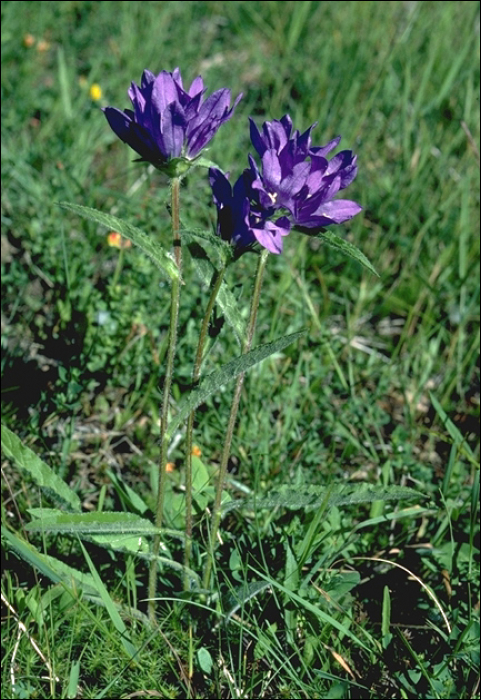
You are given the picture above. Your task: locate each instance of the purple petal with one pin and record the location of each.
(147, 78)
(176, 77)
(335, 212)
(324, 150)
(213, 113)
(164, 92)
(172, 130)
(271, 169)
(131, 133)
(216, 105)
(271, 235)
(256, 138)
(197, 87)
(340, 210)
(221, 187)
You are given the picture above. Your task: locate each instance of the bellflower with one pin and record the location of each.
(299, 177)
(168, 125)
(241, 220)
(295, 179)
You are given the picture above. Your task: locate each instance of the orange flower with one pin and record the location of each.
(169, 467)
(43, 45)
(28, 40)
(115, 240)
(196, 451)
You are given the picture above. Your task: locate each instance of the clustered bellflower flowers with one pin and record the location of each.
(170, 126)
(295, 180)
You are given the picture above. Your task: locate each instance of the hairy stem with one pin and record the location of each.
(216, 513)
(174, 315)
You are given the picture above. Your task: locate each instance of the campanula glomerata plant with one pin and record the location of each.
(293, 187)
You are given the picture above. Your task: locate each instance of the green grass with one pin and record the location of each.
(308, 599)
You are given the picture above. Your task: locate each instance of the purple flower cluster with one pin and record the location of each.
(295, 180)
(295, 185)
(167, 121)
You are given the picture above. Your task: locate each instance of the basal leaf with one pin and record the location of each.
(162, 259)
(326, 496)
(41, 473)
(94, 523)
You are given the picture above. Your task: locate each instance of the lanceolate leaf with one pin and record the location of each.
(325, 496)
(122, 531)
(334, 241)
(93, 523)
(156, 253)
(40, 472)
(209, 384)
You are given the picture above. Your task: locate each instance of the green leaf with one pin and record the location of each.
(205, 660)
(211, 382)
(73, 681)
(334, 241)
(127, 494)
(313, 497)
(200, 475)
(95, 523)
(161, 258)
(41, 473)
(386, 618)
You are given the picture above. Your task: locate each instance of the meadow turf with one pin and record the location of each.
(326, 585)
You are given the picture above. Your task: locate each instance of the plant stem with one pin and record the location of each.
(215, 286)
(174, 315)
(216, 513)
(118, 268)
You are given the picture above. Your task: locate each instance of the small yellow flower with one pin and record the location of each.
(196, 451)
(95, 92)
(28, 40)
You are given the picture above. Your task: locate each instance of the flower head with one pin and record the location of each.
(300, 178)
(168, 122)
(295, 179)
